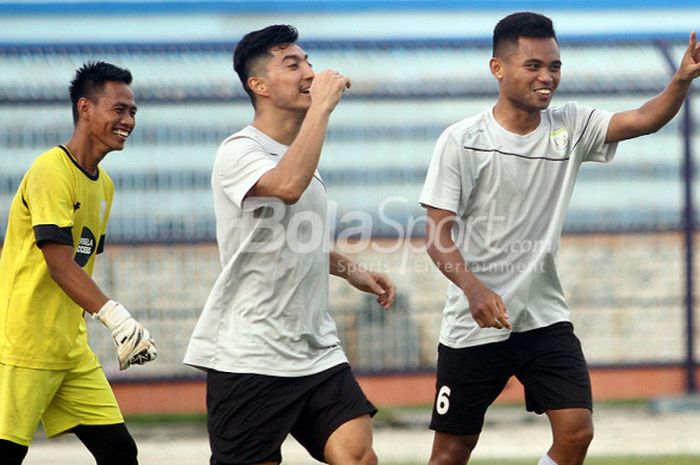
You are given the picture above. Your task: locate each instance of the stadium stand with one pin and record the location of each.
(623, 223)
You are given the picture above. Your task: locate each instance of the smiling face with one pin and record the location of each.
(283, 79)
(528, 74)
(110, 116)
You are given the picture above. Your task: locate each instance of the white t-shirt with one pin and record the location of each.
(510, 194)
(267, 312)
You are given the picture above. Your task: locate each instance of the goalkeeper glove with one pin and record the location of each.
(133, 341)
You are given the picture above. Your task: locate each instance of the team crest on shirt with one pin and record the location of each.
(471, 135)
(560, 139)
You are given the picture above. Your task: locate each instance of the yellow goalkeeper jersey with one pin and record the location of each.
(57, 201)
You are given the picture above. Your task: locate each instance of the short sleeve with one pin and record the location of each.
(240, 163)
(109, 196)
(591, 138)
(444, 181)
(49, 197)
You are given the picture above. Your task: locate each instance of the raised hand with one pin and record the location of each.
(689, 68)
(327, 88)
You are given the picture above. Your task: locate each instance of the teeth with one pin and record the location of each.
(121, 133)
(543, 91)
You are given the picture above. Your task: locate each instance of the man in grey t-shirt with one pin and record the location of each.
(496, 196)
(271, 350)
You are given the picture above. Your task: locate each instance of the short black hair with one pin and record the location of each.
(90, 79)
(522, 24)
(257, 44)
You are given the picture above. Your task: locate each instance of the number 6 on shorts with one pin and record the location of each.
(442, 403)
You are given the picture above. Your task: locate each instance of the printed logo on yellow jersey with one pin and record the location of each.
(86, 246)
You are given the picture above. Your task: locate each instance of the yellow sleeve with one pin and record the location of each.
(50, 198)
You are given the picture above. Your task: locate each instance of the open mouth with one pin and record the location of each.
(544, 91)
(121, 133)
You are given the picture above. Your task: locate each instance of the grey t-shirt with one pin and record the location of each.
(267, 312)
(510, 194)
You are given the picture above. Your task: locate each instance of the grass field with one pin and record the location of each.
(648, 452)
(660, 460)
(665, 460)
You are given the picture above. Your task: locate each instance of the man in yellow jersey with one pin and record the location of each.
(56, 226)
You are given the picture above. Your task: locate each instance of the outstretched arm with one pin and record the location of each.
(486, 306)
(659, 110)
(361, 278)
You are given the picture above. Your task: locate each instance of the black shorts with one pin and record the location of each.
(249, 416)
(548, 362)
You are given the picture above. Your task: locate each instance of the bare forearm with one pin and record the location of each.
(363, 279)
(661, 109)
(71, 278)
(297, 167)
(80, 287)
(340, 265)
(293, 174)
(452, 265)
(486, 307)
(651, 116)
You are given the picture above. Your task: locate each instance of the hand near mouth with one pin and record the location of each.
(327, 88)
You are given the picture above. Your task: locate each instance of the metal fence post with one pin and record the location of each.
(688, 172)
(689, 215)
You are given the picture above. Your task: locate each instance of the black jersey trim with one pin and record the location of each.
(52, 233)
(501, 152)
(322, 183)
(75, 162)
(585, 127)
(101, 245)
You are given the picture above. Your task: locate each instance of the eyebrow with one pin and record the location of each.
(295, 57)
(536, 60)
(124, 104)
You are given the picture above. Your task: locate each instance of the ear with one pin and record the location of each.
(257, 85)
(496, 67)
(84, 105)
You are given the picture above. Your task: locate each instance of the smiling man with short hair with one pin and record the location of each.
(57, 225)
(505, 177)
(270, 348)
